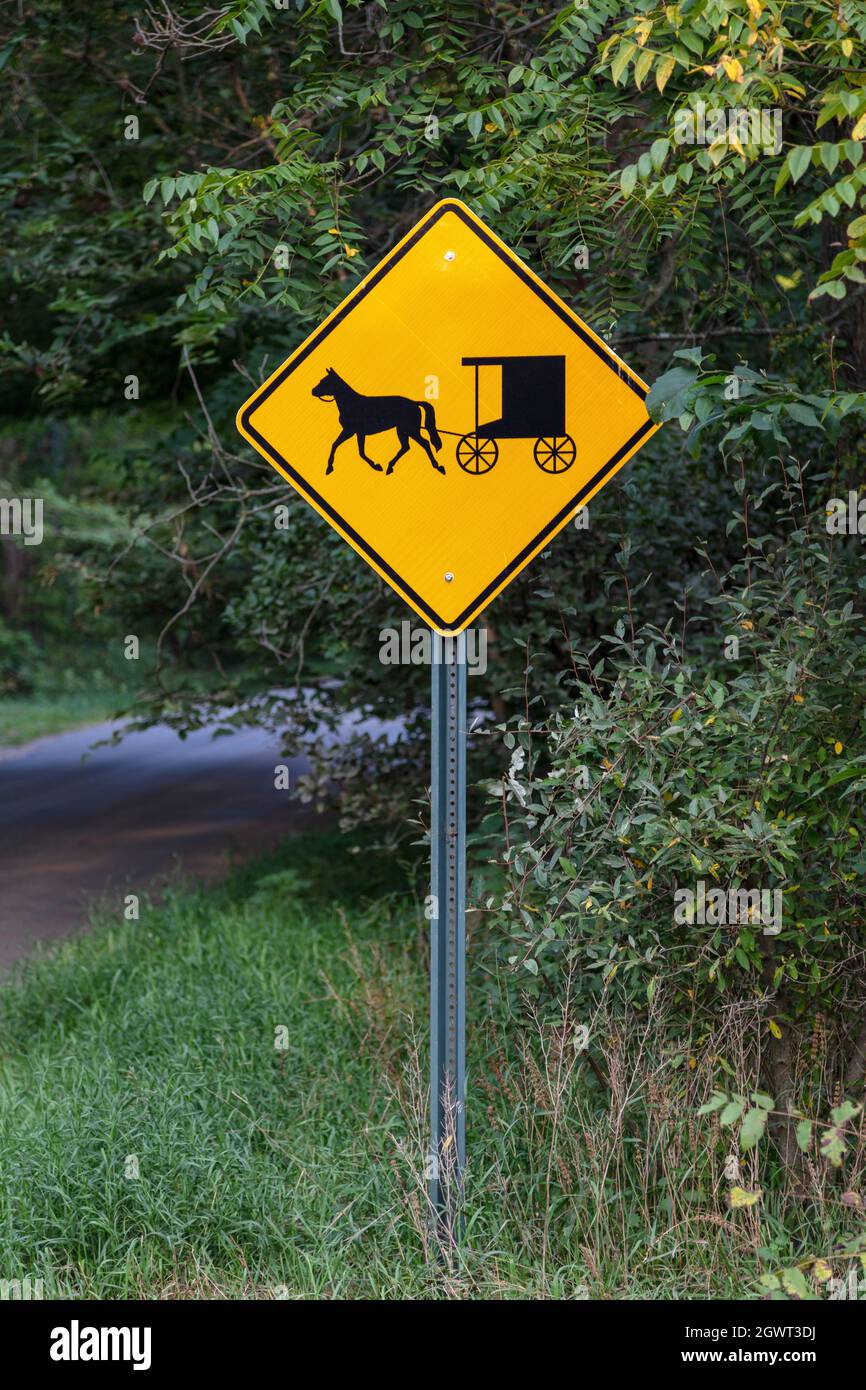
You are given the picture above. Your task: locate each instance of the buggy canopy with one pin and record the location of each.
(533, 397)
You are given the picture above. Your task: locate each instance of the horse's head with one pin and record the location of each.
(325, 389)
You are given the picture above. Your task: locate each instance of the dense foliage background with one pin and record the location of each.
(153, 160)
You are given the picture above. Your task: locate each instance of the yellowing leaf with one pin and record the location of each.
(822, 1271)
(860, 128)
(794, 1283)
(837, 747)
(756, 8)
(642, 67)
(774, 1028)
(620, 62)
(739, 1197)
(677, 714)
(663, 72)
(847, 47)
(733, 69)
(798, 699)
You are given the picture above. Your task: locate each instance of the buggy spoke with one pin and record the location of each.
(555, 454)
(477, 454)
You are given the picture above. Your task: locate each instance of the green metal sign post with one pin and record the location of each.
(448, 932)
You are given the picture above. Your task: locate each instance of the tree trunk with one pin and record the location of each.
(856, 1072)
(779, 1064)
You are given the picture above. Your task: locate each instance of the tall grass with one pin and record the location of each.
(154, 1142)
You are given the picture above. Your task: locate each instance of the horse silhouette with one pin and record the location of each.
(363, 415)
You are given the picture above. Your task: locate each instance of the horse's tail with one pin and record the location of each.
(430, 423)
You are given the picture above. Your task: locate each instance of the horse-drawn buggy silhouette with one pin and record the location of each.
(533, 406)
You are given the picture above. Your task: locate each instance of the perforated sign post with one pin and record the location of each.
(448, 419)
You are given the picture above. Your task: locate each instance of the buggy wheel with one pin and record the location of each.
(555, 454)
(476, 454)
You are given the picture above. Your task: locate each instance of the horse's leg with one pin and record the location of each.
(426, 447)
(362, 440)
(341, 439)
(404, 445)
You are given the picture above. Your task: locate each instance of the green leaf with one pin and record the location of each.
(803, 414)
(829, 156)
(475, 121)
(833, 1146)
(753, 1127)
(659, 152)
(732, 1111)
(799, 159)
(716, 1101)
(667, 390)
(845, 1112)
(628, 179)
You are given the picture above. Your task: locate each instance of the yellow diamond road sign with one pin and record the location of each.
(449, 417)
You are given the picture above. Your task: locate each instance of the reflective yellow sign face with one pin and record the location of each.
(449, 417)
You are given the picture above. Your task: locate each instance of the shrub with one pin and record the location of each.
(728, 753)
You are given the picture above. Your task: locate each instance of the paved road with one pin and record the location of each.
(122, 818)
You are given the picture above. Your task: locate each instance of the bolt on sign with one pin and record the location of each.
(449, 417)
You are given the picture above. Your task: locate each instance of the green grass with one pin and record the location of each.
(29, 717)
(155, 1040)
(155, 1143)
